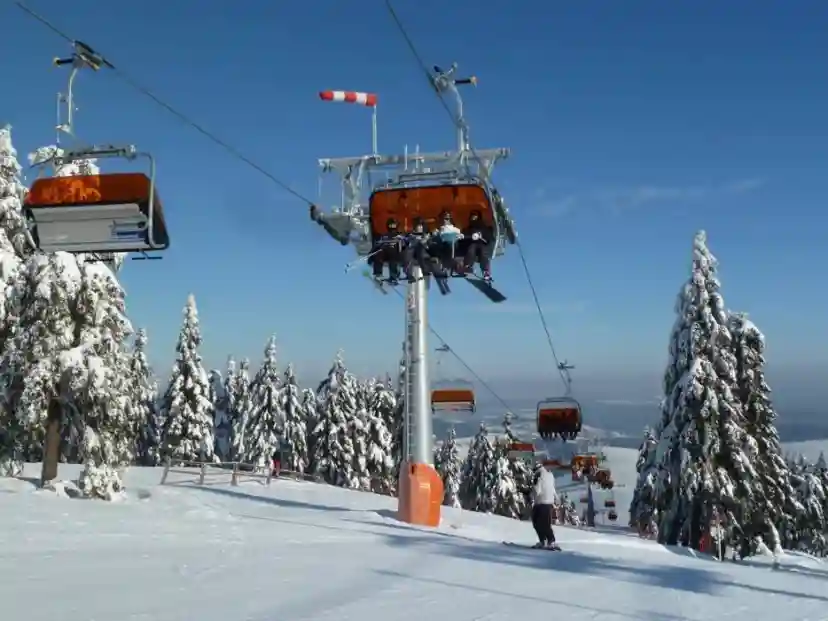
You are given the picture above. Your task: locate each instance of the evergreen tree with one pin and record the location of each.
(13, 247)
(449, 465)
(241, 407)
(144, 401)
(705, 455)
(331, 437)
(514, 477)
(774, 504)
(294, 403)
(267, 416)
(186, 409)
(643, 514)
(381, 407)
(221, 421)
(478, 491)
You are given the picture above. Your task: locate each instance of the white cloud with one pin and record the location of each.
(622, 199)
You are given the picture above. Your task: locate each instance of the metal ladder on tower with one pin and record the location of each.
(408, 420)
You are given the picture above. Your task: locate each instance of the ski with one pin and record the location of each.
(486, 289)
(378, 284)
(526, 546)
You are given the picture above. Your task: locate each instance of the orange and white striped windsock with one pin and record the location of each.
(353, 97)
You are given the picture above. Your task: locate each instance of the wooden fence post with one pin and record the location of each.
(167, 464)
(203, 473)
(234, 480)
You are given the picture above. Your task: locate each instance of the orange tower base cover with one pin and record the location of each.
(420, 495)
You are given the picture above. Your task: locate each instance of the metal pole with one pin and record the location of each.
(375, 150)
(418, 350)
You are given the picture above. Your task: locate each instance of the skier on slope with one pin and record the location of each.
(544, 497)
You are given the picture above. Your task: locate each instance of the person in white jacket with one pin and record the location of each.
(544, 496)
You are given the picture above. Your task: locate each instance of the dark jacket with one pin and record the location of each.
(486, 232)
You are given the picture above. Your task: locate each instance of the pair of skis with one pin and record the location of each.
(553, 548)
(478, 283)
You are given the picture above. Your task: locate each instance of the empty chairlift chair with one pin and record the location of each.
(559, 417)
(453, 398)
(118, 212)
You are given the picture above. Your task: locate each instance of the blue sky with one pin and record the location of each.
(631, 125)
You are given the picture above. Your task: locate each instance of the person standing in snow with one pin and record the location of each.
(544, 497)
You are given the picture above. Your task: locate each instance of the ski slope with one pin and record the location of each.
(298, 550)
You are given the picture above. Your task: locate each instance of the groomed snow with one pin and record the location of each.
(307, 551)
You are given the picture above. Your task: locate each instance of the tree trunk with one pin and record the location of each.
(51, 445)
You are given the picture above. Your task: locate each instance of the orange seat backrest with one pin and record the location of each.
(405, 204)
(452, 395)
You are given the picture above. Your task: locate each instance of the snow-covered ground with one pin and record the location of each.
(296, 551)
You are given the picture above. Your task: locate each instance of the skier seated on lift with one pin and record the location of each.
(544, 497)
(416, 249)
(478, 238)
(386, 250)
(445, 239)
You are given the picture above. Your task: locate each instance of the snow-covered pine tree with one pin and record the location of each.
(704, 454)
(809, 531)
(13, 248)
(478, 489)
(267, 418)
(514, 477)
(241, 409)
(185, 408)
(643, 516)
(103, 390)
(310, 406)
(294, 403)
(381, 407)
(221, 419)
(774, 504)
(450, 466)
(334, 454)
(144, 404)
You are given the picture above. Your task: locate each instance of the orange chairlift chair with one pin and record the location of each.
(559, 417)
(93, 213)
(450, 395)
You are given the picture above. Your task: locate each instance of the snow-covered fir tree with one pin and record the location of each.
(15, 243)
(13, 248)
(221, 419)
(380, 405)
(642, 506)
(144, 402)
(704, 455)
(331, 438)
(310, 407)
(481, 470)
(774, 505)
(267, 418)
(241, 407)
(809, 530)
(450, 466)
(293, 403)
(185, 408)
(513, 476)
